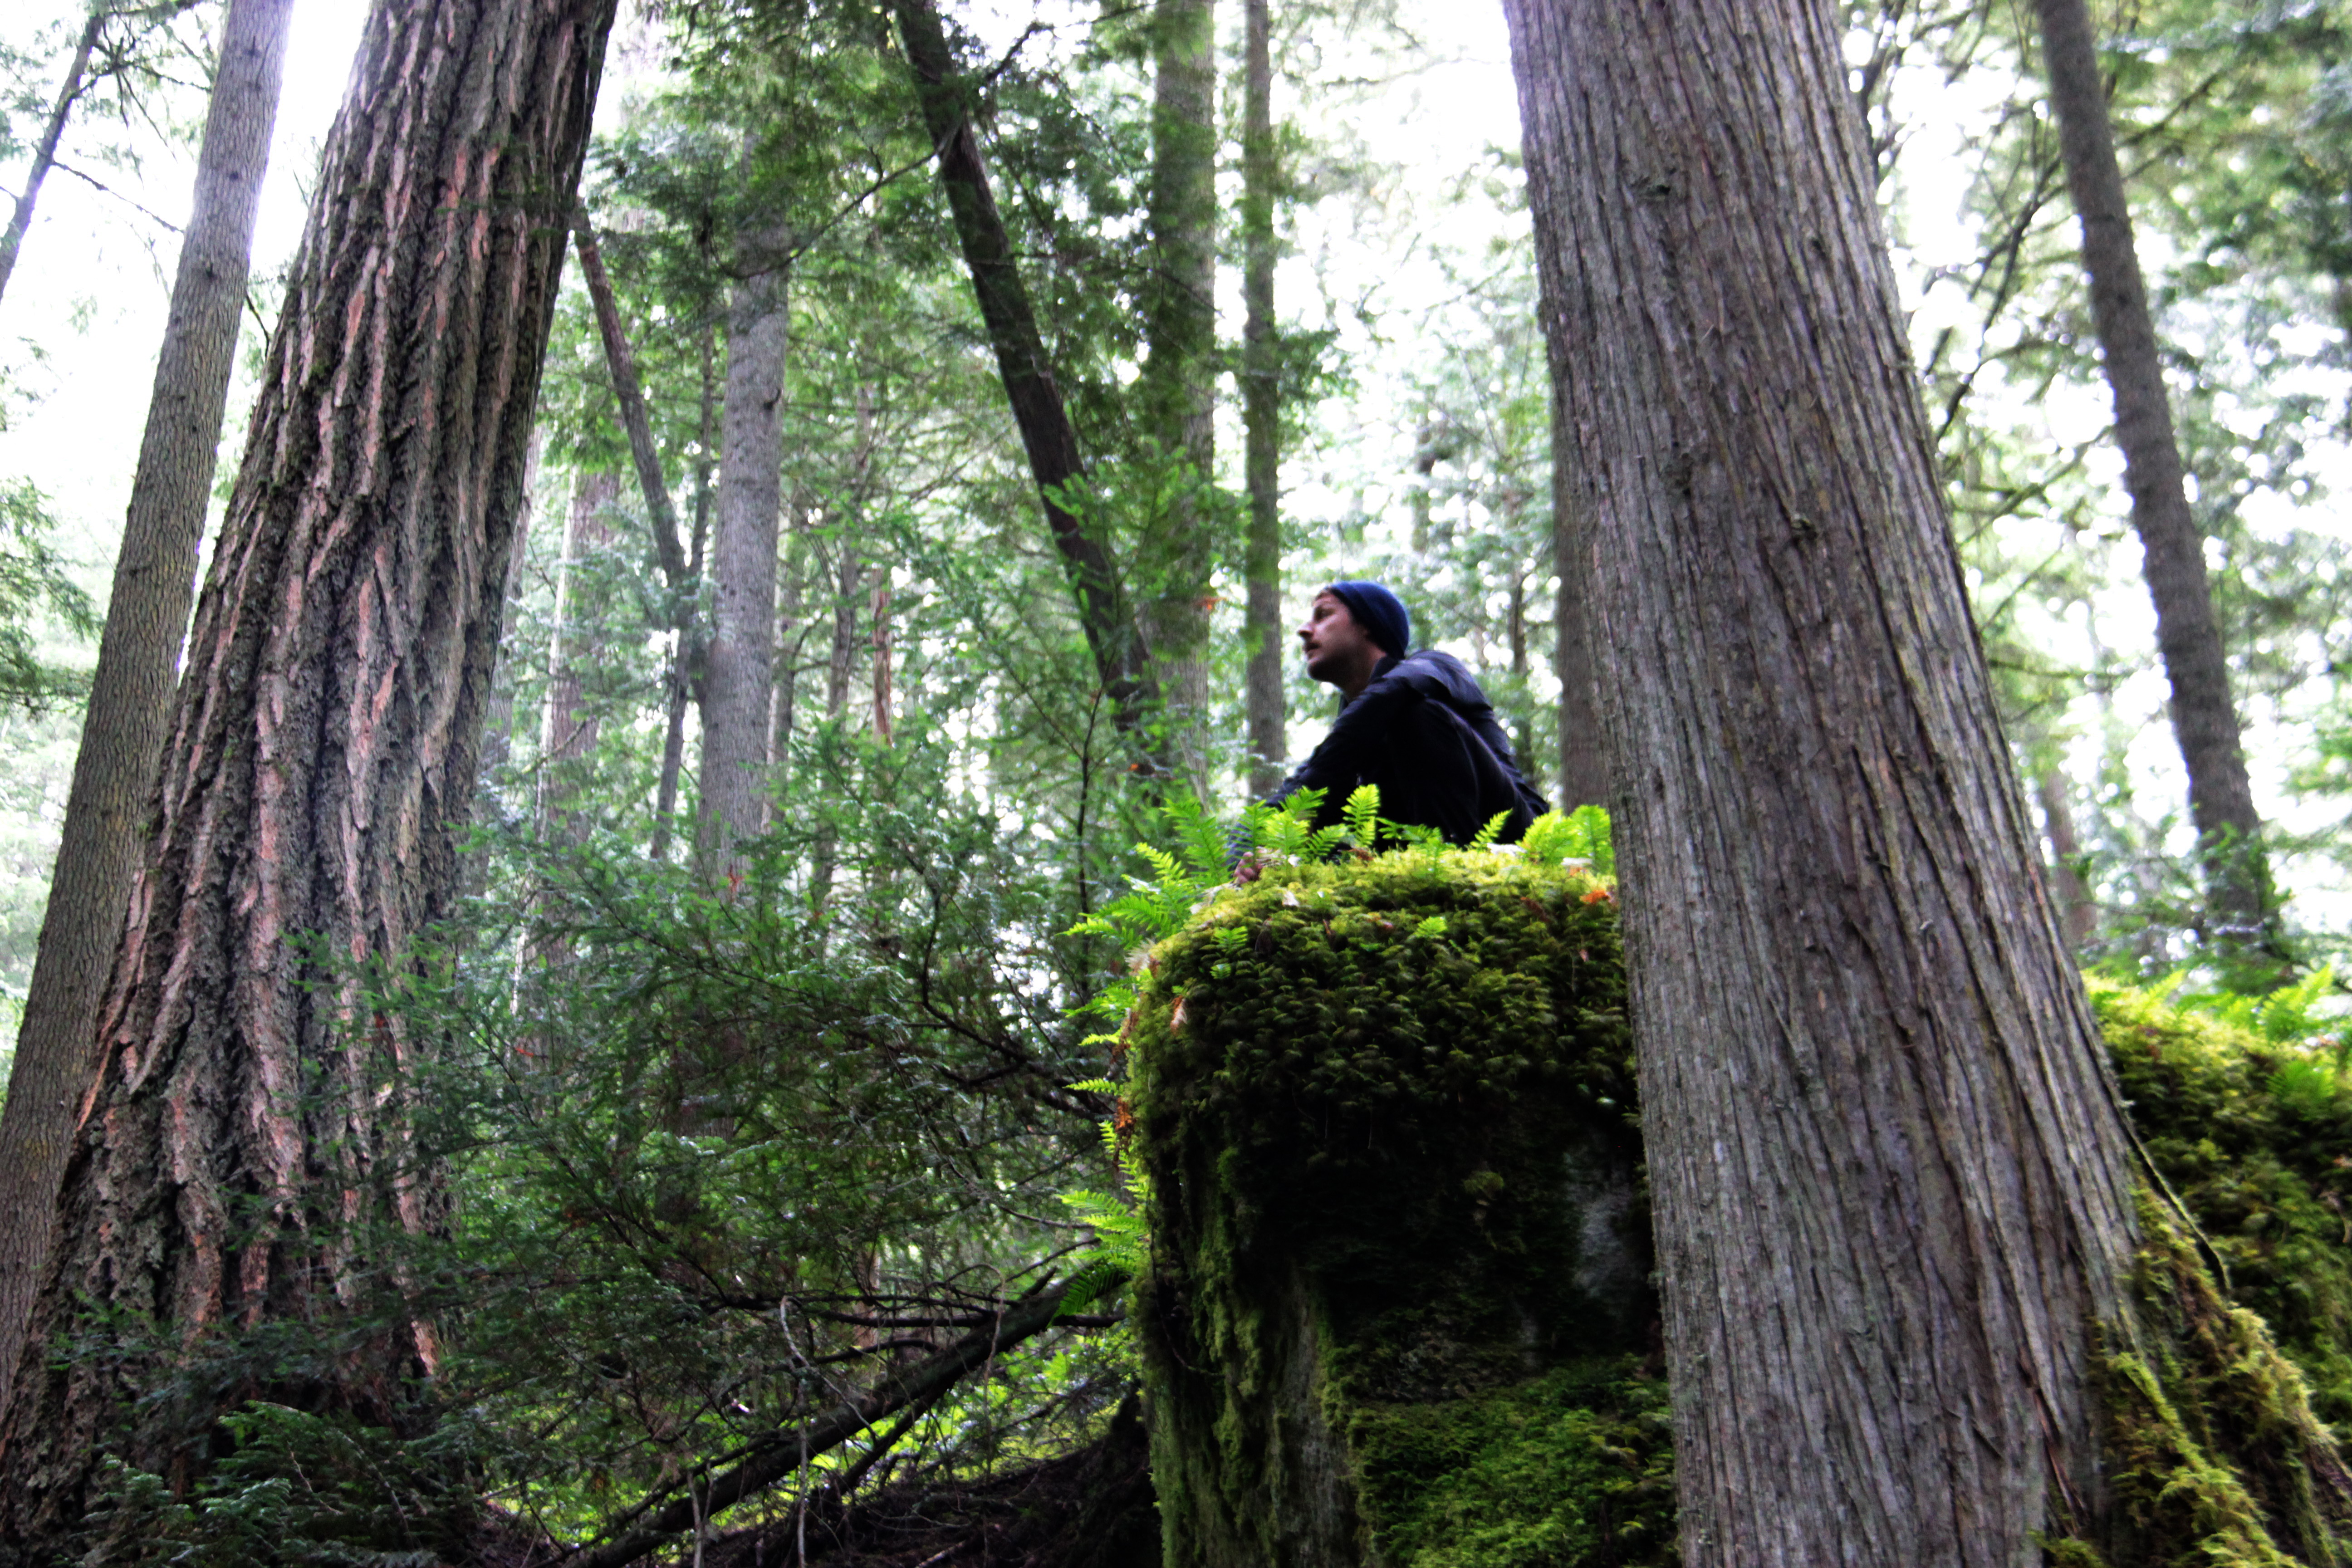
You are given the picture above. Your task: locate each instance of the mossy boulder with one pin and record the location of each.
(1399, 1309)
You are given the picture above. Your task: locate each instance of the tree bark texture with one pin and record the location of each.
(568, 735)
(2240, 906)
(45, 153)
(1177, 391)
(246, 1132)
(1583, 776)
(1889, 1171)
(1261, 411)
(739, 674)
(146, 618)
(1122, 661)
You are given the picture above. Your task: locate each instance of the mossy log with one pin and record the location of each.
(1399, 1309)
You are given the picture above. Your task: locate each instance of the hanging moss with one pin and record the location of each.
(1400, 1292)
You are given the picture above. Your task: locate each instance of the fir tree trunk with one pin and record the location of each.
(45, 152)
(1891, 1198)
(739, 658)
(1121, 662)
(1177, 391)
(246, 1148)
(146, 618)
(2240, 906)
(568, 735)
(1261, 410)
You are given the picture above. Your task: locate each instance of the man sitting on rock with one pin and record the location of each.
(1416, 724)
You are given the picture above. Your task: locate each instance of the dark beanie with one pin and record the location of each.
(1380, 613)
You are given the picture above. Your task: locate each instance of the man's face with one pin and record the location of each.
(1336, 646)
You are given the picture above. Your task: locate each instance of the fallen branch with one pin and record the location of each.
(778, 1455)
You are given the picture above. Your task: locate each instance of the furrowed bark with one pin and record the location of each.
(1261, 412)
(245, 1153)
(146, 618)
(2242, 907)
(1583, 774)
(1889, 1174)
(45, 153)
(1176, 393)
(1121, 662)
(739, 669)
(780, 1456)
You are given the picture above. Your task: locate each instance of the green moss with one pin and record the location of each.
(1576, 1465)
(1387, 1110)
(2261, 1154)
(1396, 1311)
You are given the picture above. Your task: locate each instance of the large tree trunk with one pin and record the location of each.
(1261, 411)
(146, 618)
(1177, 391)
(739, 659)
(568, 735)
(247, 1127)
(1892, 1203)
(1121, 662)
(2240, 906)
(1583, 776)
(45, 152)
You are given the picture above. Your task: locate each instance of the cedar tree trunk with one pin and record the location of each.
(1889, 1169)
(739, 659)
(146, 618)
(1121, 663)
(246, 1131)
(1261, 411)
(2239, 904)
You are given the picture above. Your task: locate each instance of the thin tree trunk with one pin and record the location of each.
(880, 621)
(45, 153)
(848, 573)
(629, 397)
(1892, 1205)
(1522, 731)
(248, 1134)
(1261, 412)
(2078, 912)
(146, 618)
(568, 735)
(2240, 906)
(739, 658)
(1121, 662)
(1177, 391)
(686, 656)
(792, 633)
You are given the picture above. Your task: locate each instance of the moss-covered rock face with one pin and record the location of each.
(1398, 1310)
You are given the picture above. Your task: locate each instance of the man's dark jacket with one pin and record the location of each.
(1426, 733)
